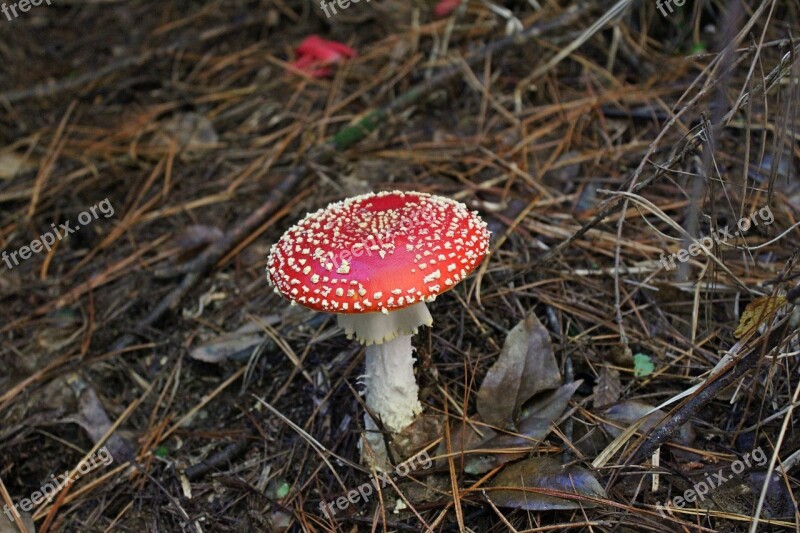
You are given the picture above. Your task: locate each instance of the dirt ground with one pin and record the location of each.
(152, 153)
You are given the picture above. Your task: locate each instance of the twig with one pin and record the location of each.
(227, 454)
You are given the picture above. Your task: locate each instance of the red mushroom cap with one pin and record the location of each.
(378, 252)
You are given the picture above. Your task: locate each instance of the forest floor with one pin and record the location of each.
(151, 153)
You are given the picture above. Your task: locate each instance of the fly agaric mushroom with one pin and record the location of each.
(374, 260)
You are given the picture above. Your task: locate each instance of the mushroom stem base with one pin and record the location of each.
(392, 392)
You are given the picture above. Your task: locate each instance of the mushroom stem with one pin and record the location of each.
(392, 395)
(392, 391)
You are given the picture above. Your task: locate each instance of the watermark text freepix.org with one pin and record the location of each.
(364, 492)
(48, 239)
(700, 489)
(343, 4)
(722, 235)
(23, 5)
(660, 6)
(48, 491)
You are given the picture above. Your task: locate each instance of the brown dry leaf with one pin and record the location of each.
(758, 312)
(12, 164)
(424, 429)
(92, 417)
(544, 473)
(464, 438)
(189, 132)
(525, 367)
(238, 344)
(740, 495)
(626, 413)
(69, 398)
(608, 388)
(536, 421)
(226, 346)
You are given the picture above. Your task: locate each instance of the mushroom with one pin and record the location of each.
(375, 260)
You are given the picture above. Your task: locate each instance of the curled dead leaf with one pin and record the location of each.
(225, 347)
(758, 312)
(537, 420)
(626, 413)
(237, 344)
(529, 484)
(525, 367)
(608, 387)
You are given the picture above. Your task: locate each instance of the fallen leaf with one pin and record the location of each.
(758, 312)
(315, 55)
(608, 387)
(445, 7)
(463, 438)
(224, 347)
(537, 419)
(525, 367)
(12, 164)
(546, 473)
(191, 132)
(627, 412)
(740, 495)
(237, 345)
(422, 431)
(548, 406)
(642, 365)
(92, 417)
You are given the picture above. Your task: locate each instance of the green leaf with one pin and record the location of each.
(698, 48)
(283, 490)
(162, 451)
(642, 365)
